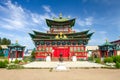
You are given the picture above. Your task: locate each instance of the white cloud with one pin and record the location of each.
(86, 22)
(20, 18)
(46, 8)
(17, 21)
(3, 34)
(98, 38)
(102, 32)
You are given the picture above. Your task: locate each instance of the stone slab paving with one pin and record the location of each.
(68, 64)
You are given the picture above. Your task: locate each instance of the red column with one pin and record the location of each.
(115, 52)
(85, 53)
(106, 53)
(22, 54)
(100, 53)
(9, 54)
(16, 53)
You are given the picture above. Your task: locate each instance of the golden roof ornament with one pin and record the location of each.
(60, 16)
(106, 40)
(16, 41)
(65, 37)
(61, 35)
(56, 37)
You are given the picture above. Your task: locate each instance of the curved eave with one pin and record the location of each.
(106, 44)
(89, 35)
(32, 35)
(16, 46)
(60, 23)
(83, 36)
(42, 35)
(86, 39)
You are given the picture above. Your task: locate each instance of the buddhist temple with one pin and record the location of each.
(61, 39)
(107, 49)
(16, 51)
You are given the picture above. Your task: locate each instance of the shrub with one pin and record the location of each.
(16, 61)
(116, 59)
(90, 58)
(14, 66)
(108, 60)
(26, 60)
(97, 60)
(117, 65)
(3, 64)
(33, 54)
(6, 61)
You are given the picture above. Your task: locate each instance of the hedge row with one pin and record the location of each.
(112, 59)
(3, 64)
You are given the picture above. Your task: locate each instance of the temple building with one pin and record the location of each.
(107, 50)
(16, 51)
(117, 45)
(4, 50)
(61, 39)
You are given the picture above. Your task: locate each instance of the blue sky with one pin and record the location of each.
(20, 17)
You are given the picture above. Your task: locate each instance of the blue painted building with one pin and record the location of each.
(4, 50)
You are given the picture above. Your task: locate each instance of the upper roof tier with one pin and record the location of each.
(56, 22)
(16, 45)
(107, 44)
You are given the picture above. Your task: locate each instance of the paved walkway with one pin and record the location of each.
(78, 64)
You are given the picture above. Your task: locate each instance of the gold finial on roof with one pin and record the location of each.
(60, 16)
(16, 41)
(106, 40)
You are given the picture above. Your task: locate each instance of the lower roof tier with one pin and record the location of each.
(71, 36)
(79, 37)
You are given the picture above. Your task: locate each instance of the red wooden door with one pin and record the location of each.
(61, 50)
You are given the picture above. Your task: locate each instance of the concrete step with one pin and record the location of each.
(69, 64)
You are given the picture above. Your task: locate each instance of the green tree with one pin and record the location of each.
(8, 42)
(5, 41)
(0, 48)
(33, 54)
(0, 40)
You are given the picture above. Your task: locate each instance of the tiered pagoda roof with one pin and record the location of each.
(60, 21)
(81, 37)
(16, 45)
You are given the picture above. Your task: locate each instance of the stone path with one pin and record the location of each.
(78, 64)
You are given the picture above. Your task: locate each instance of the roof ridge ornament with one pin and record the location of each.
(16, 41)
(56, 37)
(60, 15)
(106, 40)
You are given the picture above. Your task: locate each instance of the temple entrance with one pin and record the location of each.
(61, 50)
